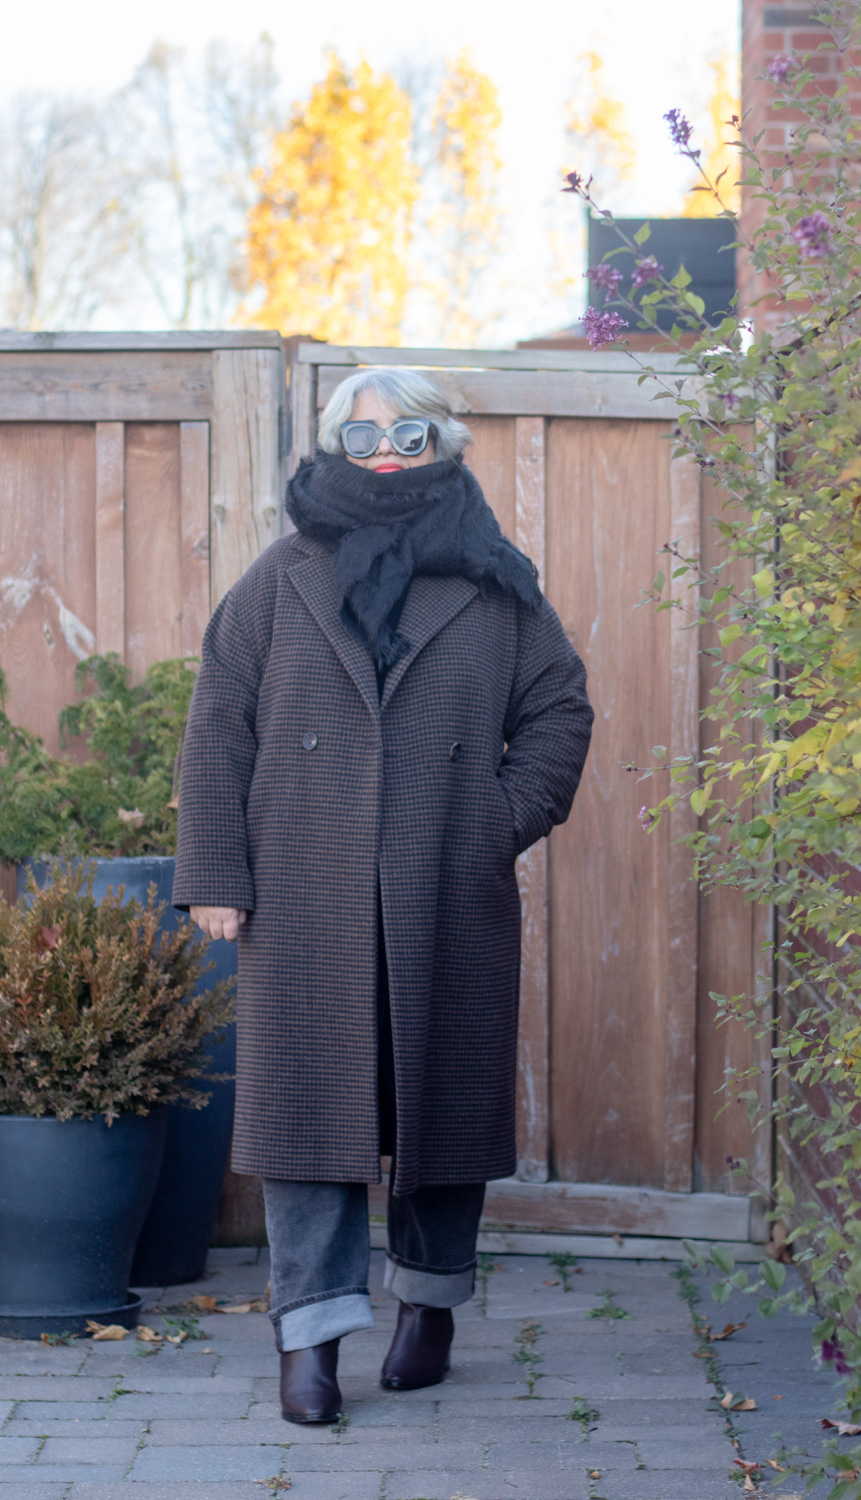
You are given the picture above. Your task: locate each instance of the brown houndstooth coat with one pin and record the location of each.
(299, 788)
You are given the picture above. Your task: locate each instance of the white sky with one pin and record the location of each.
(656, 57)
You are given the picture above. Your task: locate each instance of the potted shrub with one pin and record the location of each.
(111, 798)
(102, 1024)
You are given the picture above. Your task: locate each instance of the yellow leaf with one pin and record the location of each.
(105, 1332)
(148, 1335)
(763, 582)
(177, 1338)
(809, 743)
(203, 1304)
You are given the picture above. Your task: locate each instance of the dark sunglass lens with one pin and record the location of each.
(361, 442)
(409, 437)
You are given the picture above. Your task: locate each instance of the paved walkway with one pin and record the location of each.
(565, 1385)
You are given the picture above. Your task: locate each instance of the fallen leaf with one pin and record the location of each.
(731, 1328)
(149, 1335)
(701, 1354)
(177, 1338)
(618, 1239)
(747, 1466)
(207, 1351)
(773, 1464)
(174, 803)
(105, 1332)
(52, 1340)
(550, 1283)
(843, 1429)
(594, 1473)
(201, 1303)
(258, 1305)
(777, 1398)
(133, 816)
(731, 1402)
(848, 1474)
(749, 1487)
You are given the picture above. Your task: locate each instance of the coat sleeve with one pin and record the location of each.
(548, 727)
(219, 752)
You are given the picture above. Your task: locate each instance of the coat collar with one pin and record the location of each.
(430, 604)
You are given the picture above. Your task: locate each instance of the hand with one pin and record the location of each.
(219, 921)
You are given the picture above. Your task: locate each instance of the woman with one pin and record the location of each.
(387, 713)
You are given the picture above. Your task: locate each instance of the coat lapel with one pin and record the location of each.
(314, 579)
(430, 604)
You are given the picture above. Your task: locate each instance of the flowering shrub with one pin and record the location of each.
(98, 1007)
(121, 798)
(773, 416)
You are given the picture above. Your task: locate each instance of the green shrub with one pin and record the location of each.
(98, 1007)
(120, 798)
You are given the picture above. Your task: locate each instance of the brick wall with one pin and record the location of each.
(770, 31)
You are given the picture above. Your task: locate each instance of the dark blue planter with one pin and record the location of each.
(73, 1197)
(177, 1231)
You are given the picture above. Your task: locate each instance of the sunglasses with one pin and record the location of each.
(408, 436)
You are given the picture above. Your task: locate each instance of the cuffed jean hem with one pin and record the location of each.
(429, 1288)
(324, 1318)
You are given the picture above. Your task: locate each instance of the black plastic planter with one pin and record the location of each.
(73, 1197)
(177, 1231)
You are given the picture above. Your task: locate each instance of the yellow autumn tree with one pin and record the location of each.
(465, 225)
(597, 132)
(328, 235)
(721, 157)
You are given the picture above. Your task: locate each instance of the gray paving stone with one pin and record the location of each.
(20, 1358)
(680, 1484)
(655, 1414)
(711, 1430)
(204, 1464)
(97, 1432)
(698, 1451)
(181, 1491)
(530, 1484)
(61, 1411)
(384, 1456)
(357, 1486)
(561, 1454)
(54, 1388)
(186, 1385)
(35, 1491)
(192, 1407)
(6, 1408)
(89, 1450)
(64, 1474)
(18, 1450)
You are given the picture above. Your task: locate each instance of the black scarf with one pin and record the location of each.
(432, 519)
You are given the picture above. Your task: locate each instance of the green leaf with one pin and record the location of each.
(729, 633)
(773, 1274)
(696, 303)
(642, 235)
(681, 279)
(658, 582)
(660, 751)
(720, 1292)
(723, 1259)
(768, 1308)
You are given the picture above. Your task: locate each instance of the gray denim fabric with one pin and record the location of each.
(320, 1250)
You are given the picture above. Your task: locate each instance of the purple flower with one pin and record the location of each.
(606, 276)
(779, 69)
(831, 1350)
(814, 235)
(645, 270)
(646, 819)
(730, 399)
(574, 181)
(602, 328)
(680, 128)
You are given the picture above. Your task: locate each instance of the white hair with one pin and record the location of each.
(407, 394)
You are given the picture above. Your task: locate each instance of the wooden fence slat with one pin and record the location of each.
(533, 1061)
(682, 890)
(303, 407)
(247, 503)
(108, 386)
(110, 539)
(604, 361)
(194, 528)
(523, 393)
(132, 343)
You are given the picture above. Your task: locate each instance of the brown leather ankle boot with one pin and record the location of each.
(309, 1384)
(419, 1352)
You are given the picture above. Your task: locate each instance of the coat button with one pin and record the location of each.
(309, 742)
(454, 752)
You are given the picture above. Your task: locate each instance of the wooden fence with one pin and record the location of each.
(140, 476)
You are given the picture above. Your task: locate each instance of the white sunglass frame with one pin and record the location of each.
(423, 422)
